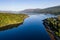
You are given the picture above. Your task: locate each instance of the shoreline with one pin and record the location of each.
(50, 32)
(8, 21)
(10, 26)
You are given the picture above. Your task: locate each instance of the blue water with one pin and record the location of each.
(31, 29)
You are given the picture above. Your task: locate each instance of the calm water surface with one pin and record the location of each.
(31, 29)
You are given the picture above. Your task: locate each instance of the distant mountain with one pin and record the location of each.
(53, 10)
(31, 11)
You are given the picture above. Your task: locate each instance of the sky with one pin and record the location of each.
(18, 5)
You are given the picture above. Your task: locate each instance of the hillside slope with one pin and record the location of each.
(52, 10)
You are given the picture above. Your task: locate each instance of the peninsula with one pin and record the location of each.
(10, 20)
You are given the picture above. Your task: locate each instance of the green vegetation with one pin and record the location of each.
(54, 24)
(9, 19)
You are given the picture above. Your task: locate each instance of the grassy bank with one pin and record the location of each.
(10, 19)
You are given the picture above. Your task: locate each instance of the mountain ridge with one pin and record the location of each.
(51, 10)
(55, 9)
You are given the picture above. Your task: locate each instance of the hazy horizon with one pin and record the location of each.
(18, 5)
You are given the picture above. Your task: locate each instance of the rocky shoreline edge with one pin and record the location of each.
(10, 26)
(49, 31)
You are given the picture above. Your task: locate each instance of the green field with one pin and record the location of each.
(9, 18)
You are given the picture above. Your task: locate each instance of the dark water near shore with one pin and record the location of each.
(31, 29)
